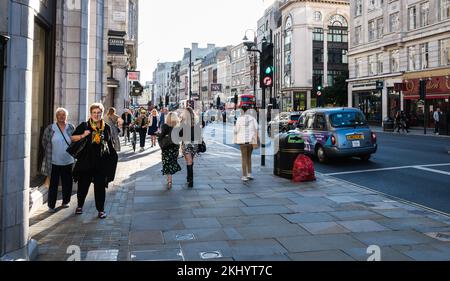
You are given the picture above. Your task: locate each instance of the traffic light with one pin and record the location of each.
(423, 89)
(266, 66)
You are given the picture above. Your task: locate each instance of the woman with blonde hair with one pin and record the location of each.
(58, 163)
(170, 148)
(97, 162)
(191, 136)
(153, 126)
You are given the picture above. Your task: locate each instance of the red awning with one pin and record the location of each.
(429, 97)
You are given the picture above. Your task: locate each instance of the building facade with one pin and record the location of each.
(241, 70)
(400, 42)
(312, 49)
(55, 55)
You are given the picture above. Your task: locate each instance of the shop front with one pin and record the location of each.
(437, 96)
(370, 103)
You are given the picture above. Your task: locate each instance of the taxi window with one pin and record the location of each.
(320, 123)
(348, 119)
(309, 122)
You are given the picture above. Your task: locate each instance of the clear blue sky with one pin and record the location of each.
(167, 27)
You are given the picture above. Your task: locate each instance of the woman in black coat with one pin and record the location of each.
(98, 160)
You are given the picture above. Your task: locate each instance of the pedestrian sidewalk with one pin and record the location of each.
(412, 131)
(223, 219)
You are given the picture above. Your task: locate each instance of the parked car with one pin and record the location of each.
(285, 121)
(337, 132)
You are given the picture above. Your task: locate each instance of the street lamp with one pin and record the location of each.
(252, 47)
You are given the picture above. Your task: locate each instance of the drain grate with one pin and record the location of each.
(211, 255)
(185, 237)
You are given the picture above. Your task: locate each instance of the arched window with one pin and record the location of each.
(337, 29)
(338, 20)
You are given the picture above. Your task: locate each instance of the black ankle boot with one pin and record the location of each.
(190, 169)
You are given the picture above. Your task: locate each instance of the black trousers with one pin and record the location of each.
(142, 136)
(99, 190)
(65, 174)
(436, 127)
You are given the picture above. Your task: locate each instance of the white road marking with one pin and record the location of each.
(433, 170)
(391, 169)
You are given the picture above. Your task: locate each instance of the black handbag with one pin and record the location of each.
(164, 141)
(75, 149)
(202, 147)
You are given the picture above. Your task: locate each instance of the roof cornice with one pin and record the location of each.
(338, 2)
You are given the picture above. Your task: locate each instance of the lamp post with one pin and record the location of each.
(252, 47)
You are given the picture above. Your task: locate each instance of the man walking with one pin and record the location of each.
(437, 119)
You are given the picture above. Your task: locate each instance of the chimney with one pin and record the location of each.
(211, 46)
(194, 47)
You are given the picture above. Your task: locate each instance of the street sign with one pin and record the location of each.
(133, 76)
(319, 93)
(268, 82)
(380, 85)
(216, 87)
(116, 46)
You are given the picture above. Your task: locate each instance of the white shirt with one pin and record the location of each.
(436, 116)
(246, 130)
(60, 157)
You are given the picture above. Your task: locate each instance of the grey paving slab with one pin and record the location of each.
(309, 208)
(356, 215)
(362, 226)
(343, 199)
(217, 212)
(146, 237)
(265, 210)
(269, 258)
(308, 217)
(428, 255)
(320, 243)
(397, 214)
(332, 255)
(261, 247)
(318, 201)
(252, 202)
(270, 231)
(410, 223)
(143, 223)
(201, 223)
(222, 203)
(324, 228)
(389, 238)
(258, 220)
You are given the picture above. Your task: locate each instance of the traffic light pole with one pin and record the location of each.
(263, 131)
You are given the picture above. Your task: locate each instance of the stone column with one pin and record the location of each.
(16, 142)
(350, 95)
(384, 101)
(72, 54)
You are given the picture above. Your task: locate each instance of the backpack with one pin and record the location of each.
(303, 170)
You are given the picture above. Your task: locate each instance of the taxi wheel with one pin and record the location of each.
(366, 158)
(321, 156)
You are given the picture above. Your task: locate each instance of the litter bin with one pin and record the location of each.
(291, 145)
(388, 125)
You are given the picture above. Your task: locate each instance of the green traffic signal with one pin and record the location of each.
(268, 70)
(319, 88)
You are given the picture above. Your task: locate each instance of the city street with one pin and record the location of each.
(408, 167)
(222, 219)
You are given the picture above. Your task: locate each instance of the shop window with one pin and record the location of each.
(444, 52)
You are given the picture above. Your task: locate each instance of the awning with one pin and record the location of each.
(429, 97)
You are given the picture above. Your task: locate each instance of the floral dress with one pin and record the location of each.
(170, 154)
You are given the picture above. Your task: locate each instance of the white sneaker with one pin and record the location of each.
(244, 179)
(142, 149)
(51, 211)
(65, 206)
(249, 176)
